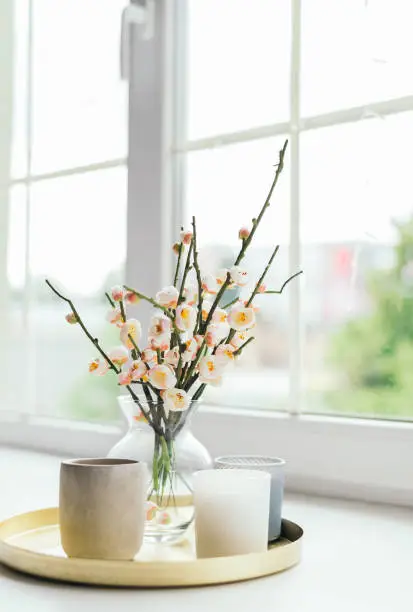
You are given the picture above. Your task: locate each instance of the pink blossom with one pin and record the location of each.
(172, 356)
(160, 343)
(186, 237)
(124, 378)
(99, 367)
(222, 276)
(162, 377)
(209, 284)
(244, 233)
(160, 325)
(185, 317)
(131, 297)
(117, 293)
(190, 350)
(149, 355)
(138, 369)
(114, 316)
(168, 297)
(239, 276)
(71, 318)
(119, 355)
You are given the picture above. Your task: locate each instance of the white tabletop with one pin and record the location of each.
(357, 558)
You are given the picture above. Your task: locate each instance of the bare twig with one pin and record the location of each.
(215, 303)
(257, 221)
(94, 341)
(186, 377)
(198, 275)
(122, 310)
(279, 291)
(135, 348)
(111, 302)
(186, 270)
(247, 241)
(241, 348)
(154, 303)
(198, 392)
(178, 264)
(231, 303)
(263, 275)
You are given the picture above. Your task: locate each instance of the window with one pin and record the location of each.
(213, 93)
(63, 197)
(327, 345)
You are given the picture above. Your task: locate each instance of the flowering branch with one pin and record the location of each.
(150, 300)
(154, 303)
(285, 283)
(94, 341)
(111, 302)
(186, 270)
(135, 346)
(148, 416)
(241, 348)
(257, 221)
(122, 310)
(231, 303)
(263, 275)
(178, 264)
(215, 303)
(199, 392)
(186, 379)
(247, 241)
(198, 275)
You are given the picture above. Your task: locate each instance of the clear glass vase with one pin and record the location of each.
(170, 510)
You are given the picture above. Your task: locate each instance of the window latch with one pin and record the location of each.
(133, 15)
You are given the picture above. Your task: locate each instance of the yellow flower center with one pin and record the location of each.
(210, 366)
(242, 317)
(162, 377)
(93, 366)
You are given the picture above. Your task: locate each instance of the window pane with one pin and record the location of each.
(354, 53)
(226, 188)
(18, 57)
(78, 239)
(357, 216)
(79, 106)
(238, 64)
(12, 321)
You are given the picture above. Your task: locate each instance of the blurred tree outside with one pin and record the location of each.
(374, 354)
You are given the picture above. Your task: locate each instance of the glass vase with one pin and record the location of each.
(170, 508)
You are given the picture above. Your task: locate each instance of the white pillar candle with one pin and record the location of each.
(231, 512)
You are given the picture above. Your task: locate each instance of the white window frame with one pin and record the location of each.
(358, 458)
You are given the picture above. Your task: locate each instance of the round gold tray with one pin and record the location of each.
(30, 543)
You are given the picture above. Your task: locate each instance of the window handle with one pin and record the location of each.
(135, 15)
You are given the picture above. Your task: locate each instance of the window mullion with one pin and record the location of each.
(179, 109)
(6, 109)
(149, 207)
(295, 322)
(28, 330)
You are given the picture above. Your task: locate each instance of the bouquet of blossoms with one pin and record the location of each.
(192, 337)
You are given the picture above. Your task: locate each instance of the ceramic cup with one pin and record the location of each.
(102, 507)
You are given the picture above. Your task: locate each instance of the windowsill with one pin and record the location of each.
(358, 459)
(357, 557)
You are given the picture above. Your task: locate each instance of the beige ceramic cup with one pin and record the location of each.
(102, 507)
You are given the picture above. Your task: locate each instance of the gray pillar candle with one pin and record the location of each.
(275, 467)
